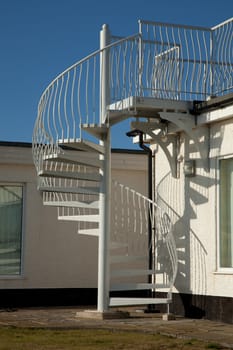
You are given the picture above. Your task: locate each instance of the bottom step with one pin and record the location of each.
(138, 301)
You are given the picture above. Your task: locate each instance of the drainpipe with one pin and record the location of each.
(150, 196)
(147, 149)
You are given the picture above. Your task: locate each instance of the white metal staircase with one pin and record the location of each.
(151, 76)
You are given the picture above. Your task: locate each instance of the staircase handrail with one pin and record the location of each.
(201, 66)
(160, 223)
(86, 58)
(72, 100)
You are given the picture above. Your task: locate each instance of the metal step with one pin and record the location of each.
(96, 130)
(80, 218)
(73, 204)
(117, 245)
(78, 190)
(89, 232)
(138, 301)
(136, 286)
(148, 107)
(118, 259)
(116, 116)
(70, 175)
(73, 158)
(132, 272)
(81, 145)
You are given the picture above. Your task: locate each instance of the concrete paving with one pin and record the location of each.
(138, 321)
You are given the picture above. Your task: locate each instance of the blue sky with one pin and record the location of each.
(40, 38)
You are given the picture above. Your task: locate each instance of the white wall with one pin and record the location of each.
(192, 202)
(54, 255)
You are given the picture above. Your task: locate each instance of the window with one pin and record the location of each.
(11, 210)
(226, 213)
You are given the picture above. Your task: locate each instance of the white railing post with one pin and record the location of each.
(140, 59)
(104, 224)
(211, 63)
(104, 73)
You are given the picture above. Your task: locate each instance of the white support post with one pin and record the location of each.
(140, 59)
(105, 200)
(211, 63)
(104, 73)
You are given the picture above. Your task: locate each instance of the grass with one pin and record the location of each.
(13, 338)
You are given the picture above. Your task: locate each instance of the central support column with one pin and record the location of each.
(105, 190)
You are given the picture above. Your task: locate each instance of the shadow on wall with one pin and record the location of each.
(181, 198)
(191, 274)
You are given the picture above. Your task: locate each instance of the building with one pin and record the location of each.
(44, 261)
(199, 201)
(174, 244)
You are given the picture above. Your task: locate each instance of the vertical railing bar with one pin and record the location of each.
(130, 76)
(79, 104)
(213, 49)
(59, 108)
(181, 65)
(140, 59)
(124, 71)
(72, 103)
(206, 66)
(111, 79)
(187, 69)
(176, 67)
(221, 57)
(218, 41)
(136, 68)
(199, 84)
(146, 58)
(160, 85)
(228, 35)
(117, 54)
(194, 63)
(53, 113)
(86, 91)
(94, 107)
(50, 146)
(65, 105)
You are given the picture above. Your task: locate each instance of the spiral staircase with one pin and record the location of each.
(137, 77)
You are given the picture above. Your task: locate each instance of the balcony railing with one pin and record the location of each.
(162, 61)
(186, 62)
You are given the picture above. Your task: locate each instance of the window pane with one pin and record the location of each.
(226, 213)
(11, 205)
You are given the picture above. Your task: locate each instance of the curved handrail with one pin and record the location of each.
(132, 216)
(72, 98)
(161, 61)
(97, 52)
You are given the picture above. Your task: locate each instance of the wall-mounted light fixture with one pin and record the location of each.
(189, 167)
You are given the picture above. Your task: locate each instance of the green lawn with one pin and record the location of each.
(12, 338)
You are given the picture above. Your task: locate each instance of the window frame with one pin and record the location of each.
(20, 275)
(220, 270)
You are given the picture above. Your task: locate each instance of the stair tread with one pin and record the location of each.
(73, 204)
(118, 259)
(78, 190)
(137, 286)
(82, 145)
(84, 218)
(132, 272)
(96, 130)
(89, 232)
(67, 157)
(117, 301)
(70, 175)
